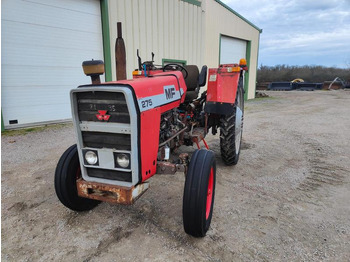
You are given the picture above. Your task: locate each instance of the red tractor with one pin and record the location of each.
(129, 130)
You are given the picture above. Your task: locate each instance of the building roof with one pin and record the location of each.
(237, 14)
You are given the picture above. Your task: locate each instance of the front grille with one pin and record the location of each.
(89, 103)
(107, 140)
(109, 174)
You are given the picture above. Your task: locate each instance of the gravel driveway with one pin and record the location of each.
(286, 200)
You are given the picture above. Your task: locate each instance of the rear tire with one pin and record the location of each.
(66, 175)
(199, 192)
(231, 129)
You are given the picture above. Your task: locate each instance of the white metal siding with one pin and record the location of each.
(170, 28)
(232, 50)
(221, 21)
(43, 45)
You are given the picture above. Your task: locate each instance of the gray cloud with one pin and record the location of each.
(300, 32)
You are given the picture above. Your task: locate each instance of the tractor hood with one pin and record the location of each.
(165, 90)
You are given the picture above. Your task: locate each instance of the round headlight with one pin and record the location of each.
(91, 157)
(123, 160)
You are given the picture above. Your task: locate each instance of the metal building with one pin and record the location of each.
(45, 41)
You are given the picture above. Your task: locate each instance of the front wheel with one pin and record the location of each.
(66, 175)
(198, 200)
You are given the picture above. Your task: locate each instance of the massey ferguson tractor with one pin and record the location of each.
(129, 130)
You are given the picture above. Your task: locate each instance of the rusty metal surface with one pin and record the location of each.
(185, 160)
(172, 137)
(169, 168)
(198, 134)
(184, 157)
(110, 193)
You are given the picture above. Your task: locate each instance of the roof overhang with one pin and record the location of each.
(237, 14)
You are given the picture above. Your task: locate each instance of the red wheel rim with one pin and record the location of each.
(209, 193)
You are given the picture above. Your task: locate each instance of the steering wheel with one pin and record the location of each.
(175, 67)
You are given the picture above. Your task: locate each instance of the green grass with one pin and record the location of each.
(30, 130)
(262, 98)
(268, 98)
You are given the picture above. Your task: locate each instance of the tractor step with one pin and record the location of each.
(111, 193)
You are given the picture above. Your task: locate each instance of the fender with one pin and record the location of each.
(223, 83)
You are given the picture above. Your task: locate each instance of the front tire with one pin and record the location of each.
(66, 175)
(199, 192)
(231, 129)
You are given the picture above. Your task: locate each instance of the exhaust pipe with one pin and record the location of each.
(120, 55)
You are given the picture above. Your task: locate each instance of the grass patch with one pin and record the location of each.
(267, 98)
(30, 130)
(262, 98)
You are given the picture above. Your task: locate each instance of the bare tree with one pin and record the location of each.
(315, 74)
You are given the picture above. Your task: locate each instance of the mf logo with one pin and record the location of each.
(102, 115)
(169, 92)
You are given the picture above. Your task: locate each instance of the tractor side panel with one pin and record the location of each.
(222, 86)
(222, 90)
(149, 132)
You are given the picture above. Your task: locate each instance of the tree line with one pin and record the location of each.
(314, 74)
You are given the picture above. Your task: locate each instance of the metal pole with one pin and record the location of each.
(120, 54)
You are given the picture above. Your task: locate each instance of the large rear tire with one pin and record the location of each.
(231, 129)
(66, 175)
(199, 192)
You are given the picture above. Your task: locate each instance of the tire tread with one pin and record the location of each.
(194, 203)
(227, 134)
(65, 186)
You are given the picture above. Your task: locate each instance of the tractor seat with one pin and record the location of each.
(194, 81)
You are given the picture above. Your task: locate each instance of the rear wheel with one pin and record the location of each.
(66, 175)
(231, 129)
(198, 200)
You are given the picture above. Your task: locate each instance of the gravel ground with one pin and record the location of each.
(286, 200)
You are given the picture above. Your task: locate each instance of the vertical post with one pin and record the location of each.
(246, 75)
(257, 63)
(120, 54)
(219, 49)
(95, 79)
(2, 123)
(106, 40)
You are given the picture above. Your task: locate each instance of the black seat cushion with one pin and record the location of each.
(191, 95)
(202, 79)
(192, 78)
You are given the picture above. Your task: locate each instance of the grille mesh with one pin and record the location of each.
(107, 140)
(89, 103)
(109, 174)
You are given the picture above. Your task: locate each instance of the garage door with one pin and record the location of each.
(43, 45)
(232, 50)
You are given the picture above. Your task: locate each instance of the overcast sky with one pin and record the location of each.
(300, 32)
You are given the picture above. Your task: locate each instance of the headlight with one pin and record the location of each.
(91, 157)
(123, 160)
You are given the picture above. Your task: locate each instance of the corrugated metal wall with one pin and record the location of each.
(230, 25)
(172, 29)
